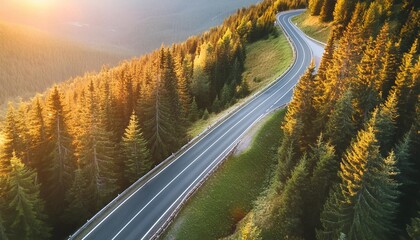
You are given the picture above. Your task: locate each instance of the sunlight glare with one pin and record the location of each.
(38, 4)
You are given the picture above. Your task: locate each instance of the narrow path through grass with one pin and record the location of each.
(228, 195)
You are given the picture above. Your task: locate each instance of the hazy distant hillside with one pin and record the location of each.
(138, 26)
(31, 61)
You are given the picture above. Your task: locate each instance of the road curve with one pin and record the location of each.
(142, 213)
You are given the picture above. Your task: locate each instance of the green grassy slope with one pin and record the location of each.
(229, 194)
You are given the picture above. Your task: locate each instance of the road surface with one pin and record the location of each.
(142, 213)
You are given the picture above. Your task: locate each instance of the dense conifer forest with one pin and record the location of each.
(69, 151)
(348, 166)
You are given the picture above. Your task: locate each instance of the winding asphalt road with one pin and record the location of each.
(140, 214)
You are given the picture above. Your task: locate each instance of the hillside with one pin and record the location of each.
(31, 61)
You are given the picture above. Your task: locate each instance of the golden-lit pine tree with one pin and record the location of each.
(297, 121)
(327, 10)
(339, 74)
(321, 79)
(365, 95)
(342, 14)
(183, 68)
(37, 135)
(12, 141)
(405, 89)
(388, 71)
(315, 6)
(136, 154)
(365, 203)
(302, 107)
(385, 119)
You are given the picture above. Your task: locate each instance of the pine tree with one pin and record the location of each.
(288, 151)
(340, 127)
(194, 115)
(12, 141)
(56, 172)
(372, 19)
(342, 14)
(22, 126)
(324, 174)
(404, 88)
(184, 74)
(37, 135)
(169, 79)
(159, 124)
(321, 82)
(200, 85)
(25, 211)
(134, 146)
(388, 72)
(302, 108)
(327, 10)
(340, 73)
(363, 85)
(80, 200)
(290, 213)
(385, 119)
(96, 153)
(364, 205)
(410, 30)
(315, 6)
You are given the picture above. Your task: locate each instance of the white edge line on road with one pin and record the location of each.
(186, 150)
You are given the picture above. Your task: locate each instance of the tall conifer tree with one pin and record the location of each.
(25, 210)
(58, 168)
(134, 146)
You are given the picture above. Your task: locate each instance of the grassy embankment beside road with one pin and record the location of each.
(313, 26)
(228, 195)
(266, 60)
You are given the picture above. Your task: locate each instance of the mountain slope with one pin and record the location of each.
(32, 60)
